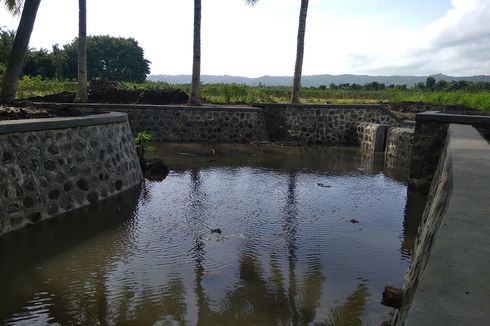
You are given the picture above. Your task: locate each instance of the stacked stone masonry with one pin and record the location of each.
(428, 142)
(395, 142)
(183, 124)
(398, 146)
(48, 172)
(368, 134)
(308, 124)
(331, 125)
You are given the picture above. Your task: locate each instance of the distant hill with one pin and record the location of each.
(313, 80)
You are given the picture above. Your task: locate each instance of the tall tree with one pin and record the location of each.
(19, 48)
(82, 95)
(111, 58)
(300, 49)
(196, 57)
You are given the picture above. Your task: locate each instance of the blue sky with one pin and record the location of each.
(377, 37)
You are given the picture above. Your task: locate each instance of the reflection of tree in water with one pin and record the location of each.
(309, 298)
(256, 299)
(290, 228)
(85, 295)
(350, 312)
(150, 306)
(311, 292)
(195, 215)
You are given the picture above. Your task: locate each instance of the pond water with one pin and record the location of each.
(309, 235)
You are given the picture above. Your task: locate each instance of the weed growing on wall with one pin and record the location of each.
(143, 140)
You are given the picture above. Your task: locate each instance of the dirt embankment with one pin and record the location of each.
(24, 110)
(102, 91)
(408, 110)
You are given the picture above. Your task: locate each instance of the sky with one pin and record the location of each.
(375, 37)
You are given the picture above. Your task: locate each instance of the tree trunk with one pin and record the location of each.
(18, 51)
(300, 49)
(82, 95)
(196, 62)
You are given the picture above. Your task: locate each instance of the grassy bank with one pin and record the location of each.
(243, 94)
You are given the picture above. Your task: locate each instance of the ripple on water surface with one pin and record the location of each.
(306, 240)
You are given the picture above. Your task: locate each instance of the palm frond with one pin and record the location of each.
(251, 2)
(14, 6)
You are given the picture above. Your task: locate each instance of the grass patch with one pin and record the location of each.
(243, 94)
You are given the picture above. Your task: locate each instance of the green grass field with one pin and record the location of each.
(243, 94)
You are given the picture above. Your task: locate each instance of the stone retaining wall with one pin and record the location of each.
(52, 166)
(428, 142)
(371, 137)
(325, 124)
(398, 150)
(209, 124)
(322, 124)
(394, 142)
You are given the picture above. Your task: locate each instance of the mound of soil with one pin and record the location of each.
(408, 110)
(102, 91)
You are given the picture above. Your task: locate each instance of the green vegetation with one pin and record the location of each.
(19, 47)
(111, 58)
(143, 140)
(243, 94)
(50, 72)
(38, 86)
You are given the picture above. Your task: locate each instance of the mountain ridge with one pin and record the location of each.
(313, 80)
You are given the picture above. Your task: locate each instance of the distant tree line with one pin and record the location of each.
(111, 58)
(430, 85)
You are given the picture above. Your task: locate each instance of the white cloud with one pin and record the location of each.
(457, 44)
(253, 41)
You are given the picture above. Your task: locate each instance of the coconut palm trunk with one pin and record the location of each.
(18, 51)
(196, 59)
(82, 95)
(300, 49)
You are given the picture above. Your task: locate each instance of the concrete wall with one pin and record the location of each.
(447, 282)
(52, 166)
(428, 143)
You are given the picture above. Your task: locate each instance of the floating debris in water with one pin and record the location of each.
(187, 154)
(323, 185)
(216, 231)
(354, 221)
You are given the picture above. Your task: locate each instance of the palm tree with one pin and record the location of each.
(300, 49)
(82, 95)
(19, 46)
(196, 59)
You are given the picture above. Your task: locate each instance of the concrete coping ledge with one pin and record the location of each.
(454, 289)
(319, 106)
(437, 116)
(109, 106)
(12, 126)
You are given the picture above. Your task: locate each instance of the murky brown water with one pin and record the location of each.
(287, 254)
